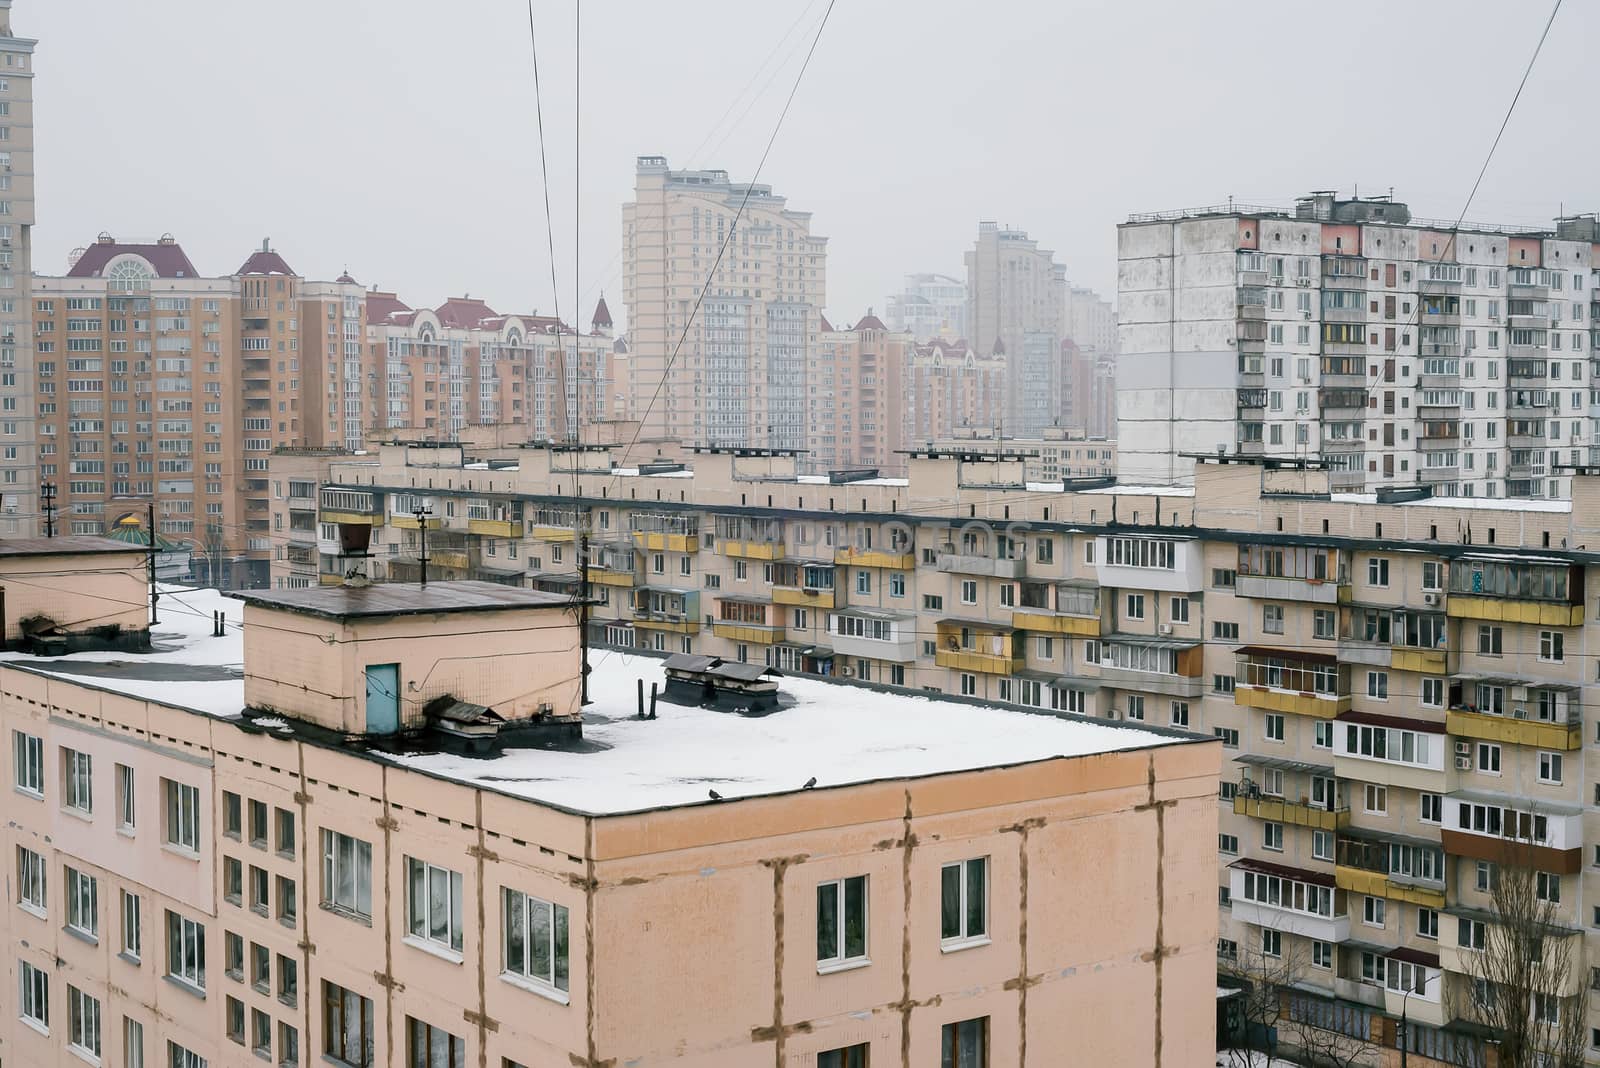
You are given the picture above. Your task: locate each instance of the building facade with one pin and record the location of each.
(855, 395)
(20, 512)
(929, 306)
(1394, 349)
(948, 386)
(225, 871)
(736, 371)
(1017, 306)
(1061, 455)
(1383, 671)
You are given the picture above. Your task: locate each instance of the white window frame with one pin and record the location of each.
(186, 950)
(963, 871)
(421, 918)
(83, 903)
(34, 996)
(839, 961)
(28, 760)
(132, 926)
(334, 863)
(32, 882)
(182, 815)
(83, 1023)
(520, 913)
(77, 781)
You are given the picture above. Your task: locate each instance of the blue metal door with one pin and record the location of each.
(383, 698)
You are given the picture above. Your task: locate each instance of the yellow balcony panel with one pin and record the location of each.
(1377, 884)
(405, 522)
(804, 598)
(1505, 610)
(658, 541)
(556, 534)
(449, 558)
(602, 577)
(1428, 661)
(751, 550)
(1041, 621)
(1299, 703)
(330, 580)
(1541, 734)
(495, 528)
(747, 632)
(675, 626)
(353, 518)
(983, 663)
(875, 558)
(1282, 810)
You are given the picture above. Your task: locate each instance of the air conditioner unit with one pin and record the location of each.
(1306, 282)
(1165, 628)
(1519, 712)
(848, 672)
(1463, 763)
(1463, 749)
(1519, 693)
(1430, 598)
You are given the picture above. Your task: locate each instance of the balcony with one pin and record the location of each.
(1298, 813)
(1288, 588)
(750, 550)
(606, 576)
(1301, 684)
(1554, 723)
(1506, 829)
(953, 563)
(1507, 610)
(804, 596)
(972, 645)
(874, 635)
(1155, 665)
(890, 560)
(353, 507)
(1426, 661)
(1286, 899)
(552, 533)
(753, 633)
(495, 528)
(649, 540)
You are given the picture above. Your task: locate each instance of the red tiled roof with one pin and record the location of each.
(381, 306)
(345, 278)
(621, 345)
(827, 327)
(166, 258)
(463, 312)
(602, 314)
(264, 261)
(871, 322)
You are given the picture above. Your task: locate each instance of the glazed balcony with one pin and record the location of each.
(1564, 735)
(1068, 608)
(1293, 682)
(892, 560)
(1398, 867)
(980, 565)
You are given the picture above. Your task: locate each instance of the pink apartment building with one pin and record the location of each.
(361, 827)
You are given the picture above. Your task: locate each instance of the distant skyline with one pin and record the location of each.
(398, 140)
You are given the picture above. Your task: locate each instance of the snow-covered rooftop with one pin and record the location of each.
(1502, 504)
(838, 734)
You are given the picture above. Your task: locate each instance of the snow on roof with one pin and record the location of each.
(1503, 504)
(679, 757)
(626, 764)
(1146, 491)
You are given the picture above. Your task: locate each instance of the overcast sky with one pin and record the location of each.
(397, 138)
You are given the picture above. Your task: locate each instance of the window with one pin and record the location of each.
(132, 1043)
(1470, 933)
(842, 922)
(1376, 799)
(83, 893)
(535, 941)
(1324, 624)
(1271, 943)
(28, 753)
(1552, 646)
(287, 898)
(1135, 606)
(30, 881)
(1272, 837)
(1547, 887)
(1180, 610)
(1273, 723)
(125, 798)
(1228, 844)
(1373, 910)
(1322, 845)
(1321, 954)
(232, 815)
(83, 1022)
(965, 1044)
(258, 889)
(1427, 922)
(261, 968)
(178, 1057)
(1180, 713)
(1324, 734)
(286, 832)
(232, 881)
(1488, 758)
(35, 995)
(347, 874)
(132, 927)
(258, 824)
(1224, 578)
(186, 950)
(261, 1034)
(430, 1047)
(969, 591)
(183, 815)
(233, 1019)
(233, 956)
(1550, 768)
(433, 903)
(289, 1037)
(849, 1057)
(1485, 877)
(963, 911)
(346, 1026)
(77, 771)
(1491, 640)
(1378, 685)
(1432, 808)
(1433, 692)
(1136, 706)
(1228, 632)
(288, 980)
(1272, 618)
(1377, 571)
(1223, 683)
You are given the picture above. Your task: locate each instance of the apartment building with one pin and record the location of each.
(19, 453)
(738, 373)
(1061, 455)
(1017, 306)
(855, 395)
(949, 385)
(1384, 671)
(1396, 349)
(929, 306)
(309, 820)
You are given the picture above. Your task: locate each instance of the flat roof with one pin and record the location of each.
(73, 545)
(841, 734)
(403, 599)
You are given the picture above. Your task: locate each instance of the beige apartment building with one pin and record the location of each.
(19, 451)
(1384, 671)
(855, 394)
(304, 865)
(1061, 454)
(948, 386)
(737, 371)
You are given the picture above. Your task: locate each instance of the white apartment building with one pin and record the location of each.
(1017, 305)
(735, 371)
(1396, 350)
(19, 457)
(929, 306)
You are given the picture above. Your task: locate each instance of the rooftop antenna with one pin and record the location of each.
(423, 512)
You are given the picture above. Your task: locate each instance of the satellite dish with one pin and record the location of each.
(74, 256)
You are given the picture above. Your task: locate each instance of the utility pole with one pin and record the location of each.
(151, 533)
(583, 601)
(423, 515)
(47, 504)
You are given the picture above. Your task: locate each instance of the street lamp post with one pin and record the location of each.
(1403, 1034)
(423, 512)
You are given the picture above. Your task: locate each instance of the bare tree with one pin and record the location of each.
(1331, 1034)
(214, 548)
(1260, 1000)
(1526, 967)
